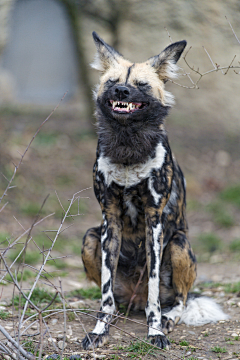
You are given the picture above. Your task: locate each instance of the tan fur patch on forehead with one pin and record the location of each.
(114, 73)
(144, 72)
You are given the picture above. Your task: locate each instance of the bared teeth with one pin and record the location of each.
(125, 106)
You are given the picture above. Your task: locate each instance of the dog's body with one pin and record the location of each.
(141, 191)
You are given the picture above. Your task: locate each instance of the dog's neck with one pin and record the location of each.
(131, 144)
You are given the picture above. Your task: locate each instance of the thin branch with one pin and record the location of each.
(15, 344)
(233, 30)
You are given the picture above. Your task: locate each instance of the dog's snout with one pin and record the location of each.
(122, 92)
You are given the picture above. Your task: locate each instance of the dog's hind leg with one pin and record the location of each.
(183, 264)
(91, 254)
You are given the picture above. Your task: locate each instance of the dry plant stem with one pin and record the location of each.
(16, 241)
(65, 319)
(15, 344)
(24, 253)
(47, 330)
(135, 289)
(233, 30)
(41, 335)
(17, 285)
(47, 255)
(20, 161)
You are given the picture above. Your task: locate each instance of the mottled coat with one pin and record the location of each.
(141, 191)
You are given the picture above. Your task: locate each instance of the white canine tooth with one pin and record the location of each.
(114, 104)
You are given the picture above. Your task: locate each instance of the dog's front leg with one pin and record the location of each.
(154, 246)
(110, 245)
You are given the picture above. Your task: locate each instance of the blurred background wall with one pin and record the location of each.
(45, 49)
(46, 46)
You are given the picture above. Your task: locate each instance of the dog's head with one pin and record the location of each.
(130, 92)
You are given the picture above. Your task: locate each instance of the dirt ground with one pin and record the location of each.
(223, 336)
(61, 159)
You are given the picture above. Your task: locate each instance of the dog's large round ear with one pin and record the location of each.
(165, 62)
(106, 55)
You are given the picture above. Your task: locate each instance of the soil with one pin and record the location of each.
(64, 163)
(201, 341)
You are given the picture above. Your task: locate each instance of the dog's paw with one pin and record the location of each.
(167, 325)
(161, 341)
(94, 340)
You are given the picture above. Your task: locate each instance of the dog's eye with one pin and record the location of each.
(113, 81)
(141, 83)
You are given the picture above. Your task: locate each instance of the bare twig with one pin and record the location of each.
(15, 344)
(232, 30)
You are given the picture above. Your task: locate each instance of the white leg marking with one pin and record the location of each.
(153, 287)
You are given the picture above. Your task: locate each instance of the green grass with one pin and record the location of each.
(232, 287)
(4, 315)
(31, 257)
(4, 236)
(231, 194)
(234, 246)
(31, 209)
(206, 334)
(228, 288)
(38, 297)
(184, 343)
(209, 242)
(138, 348)
(27, 274)
(45, 139)
(218, 349)
(220, 214)
(92, 293)
(29, 346)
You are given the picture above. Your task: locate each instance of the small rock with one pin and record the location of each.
(70, 330)
(53, 357)
(74, 339)
(77, 304)
(51, 339)
(207, 293)
(3, 303)
(60, 344)
(221, 321)
(2, 308)
(217, 278)
(54, 321)
(34, 327)
(238, 304)
(223, 158)
(8, 327)
(234, 334)
(188, 353)
(191, 332)
(215, 259)
(60, 336)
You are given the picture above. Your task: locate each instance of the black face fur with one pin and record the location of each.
(129, 138)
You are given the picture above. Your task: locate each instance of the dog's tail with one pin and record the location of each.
(200, 310)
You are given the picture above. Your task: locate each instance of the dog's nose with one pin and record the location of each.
(122, 92)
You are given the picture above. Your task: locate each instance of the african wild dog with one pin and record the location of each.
(141, 191)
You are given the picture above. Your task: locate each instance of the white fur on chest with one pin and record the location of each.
(130, 175)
